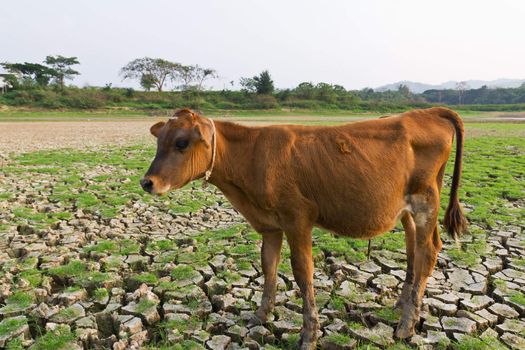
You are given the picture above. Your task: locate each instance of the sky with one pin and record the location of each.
(353, 43)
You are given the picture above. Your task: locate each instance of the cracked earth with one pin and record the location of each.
(90, 262)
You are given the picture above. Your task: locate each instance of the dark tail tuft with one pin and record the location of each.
(454, 221)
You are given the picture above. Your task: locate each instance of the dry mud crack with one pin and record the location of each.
(149, 276)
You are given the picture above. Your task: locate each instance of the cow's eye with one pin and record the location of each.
(181, 144)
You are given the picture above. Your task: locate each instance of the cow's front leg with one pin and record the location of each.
(270, 255)
(303, 270)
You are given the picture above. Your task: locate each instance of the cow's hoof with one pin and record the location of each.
(307, 341)
(258, 318)
(405, 329)
(308, 346)
(399, 305)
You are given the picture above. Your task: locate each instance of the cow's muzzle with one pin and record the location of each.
(147, 184)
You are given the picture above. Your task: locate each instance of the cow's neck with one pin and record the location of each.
(234, 152)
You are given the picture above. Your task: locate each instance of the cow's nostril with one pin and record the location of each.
(146, 184)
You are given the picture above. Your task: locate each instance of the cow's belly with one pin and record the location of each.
(364, 228)
(362, 220)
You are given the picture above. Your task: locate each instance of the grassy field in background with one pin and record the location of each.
(20, 114)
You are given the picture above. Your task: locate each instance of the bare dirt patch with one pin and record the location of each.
(20, 137)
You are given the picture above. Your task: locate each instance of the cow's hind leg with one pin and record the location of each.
(303, 269)
(427, 247)
(410, 241)
(270, 256)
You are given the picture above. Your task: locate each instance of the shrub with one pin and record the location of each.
(46, 99)
(264, 102)
(227, 105)
(306, 104)
(19, 98)
(82, 102)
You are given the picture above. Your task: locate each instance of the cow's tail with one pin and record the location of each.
(454, 221)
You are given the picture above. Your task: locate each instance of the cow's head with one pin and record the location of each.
(184, 152)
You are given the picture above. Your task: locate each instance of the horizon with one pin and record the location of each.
(364, 45)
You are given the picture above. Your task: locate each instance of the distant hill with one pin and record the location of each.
(418, 88)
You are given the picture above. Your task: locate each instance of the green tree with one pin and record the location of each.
(248, 84)
(31, 72)
(404, 90)
(11, 80)
(305, 91)
(326, 92)
(147, 81)
(157, 71)
(186, 74)
(264, 83)
(203, 74)
(62, 67)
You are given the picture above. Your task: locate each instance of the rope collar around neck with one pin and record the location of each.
(208, 172)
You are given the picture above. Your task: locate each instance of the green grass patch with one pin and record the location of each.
(128, 246)
(100, 293)
(477, 343)
(463, 257)
(518, 261)
(144, 305)
(161, 245)
(123, 247)
(67, 313)
(402, 346)
(33, 276)
(146, 277)
(181, 325)
(29, 214)
(72, 269)
(353, 249)
(340, 339)
(229, 276)
(15, 344)
(6, 196)
(182, 272)
(29, 263)
(388, 314)
(184, 345)
(72, 289)
(391, 241)
(92, 279)
(10, 325)
(518, 298)
(59, 339)
(20, 299)
(355, 325)
(243, 265)
(338, 303)
(102, 247)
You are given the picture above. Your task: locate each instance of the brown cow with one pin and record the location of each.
(355, 180)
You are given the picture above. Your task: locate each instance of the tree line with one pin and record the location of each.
(168, 84)
(54, 69)
(156, 72)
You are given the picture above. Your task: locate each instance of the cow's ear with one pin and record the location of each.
(197, 133)
(155, 129)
